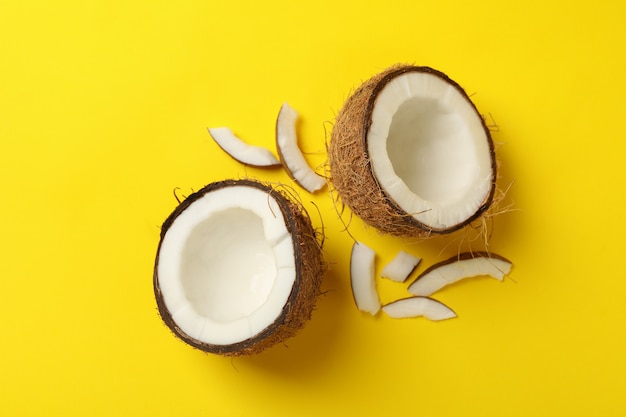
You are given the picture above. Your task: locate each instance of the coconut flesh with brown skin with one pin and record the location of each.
(411, 155)
(252, 155)
(463, 266)
(238, 268)
(290, 153)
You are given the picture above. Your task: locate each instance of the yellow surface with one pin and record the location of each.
(104, 107)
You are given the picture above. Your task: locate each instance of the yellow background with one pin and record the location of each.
(104, 107)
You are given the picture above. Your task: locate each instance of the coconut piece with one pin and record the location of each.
(238, 268)
(241, 151)
(400, 267)
(362, 278)
(411, 155)
(291, 155)
(465, 265)
(418, 306)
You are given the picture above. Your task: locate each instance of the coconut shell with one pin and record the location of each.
(306, 288)
(350, 168)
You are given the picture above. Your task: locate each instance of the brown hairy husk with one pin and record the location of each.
(310, 268)
(351, 173)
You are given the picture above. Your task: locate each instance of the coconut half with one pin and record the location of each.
(411, 155)
(238, 268)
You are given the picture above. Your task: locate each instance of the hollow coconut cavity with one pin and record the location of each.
(411, 155)
(238, 268)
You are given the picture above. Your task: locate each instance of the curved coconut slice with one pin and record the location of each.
(239, 150)
(400, 267)
(238, 268)
(291, 155)
(417, 307)
(411, 155)
(362, 278)
(466, 265)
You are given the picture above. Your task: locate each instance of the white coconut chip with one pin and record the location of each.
(241, 151)
(400, 267)
(418, 307)
(291, 155)
(362, 278)
(458, 268)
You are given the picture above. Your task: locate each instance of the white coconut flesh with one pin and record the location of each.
(226, 265)
(290, 153)
(418, 307)
(362, 278)
(454, 270)
(400, 267)
(241, 151)
(429, 149)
